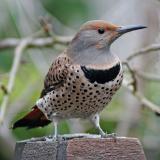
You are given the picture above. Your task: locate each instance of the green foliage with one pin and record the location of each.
(23, 133)
(68, 10)
(5, 60)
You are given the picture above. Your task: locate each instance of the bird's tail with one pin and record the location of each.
(33, 119)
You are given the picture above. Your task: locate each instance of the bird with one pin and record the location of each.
(82, 80)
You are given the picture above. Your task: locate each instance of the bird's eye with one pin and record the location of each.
(101, 30)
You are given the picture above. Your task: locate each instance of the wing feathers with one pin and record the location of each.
(54, 79)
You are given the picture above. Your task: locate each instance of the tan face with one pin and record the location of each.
(92, 43)
(97, 34)
(100, 34)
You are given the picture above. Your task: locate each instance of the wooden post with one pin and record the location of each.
(80, 149)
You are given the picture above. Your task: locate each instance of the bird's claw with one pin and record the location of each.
(48, 139)
(112, 135)
(53, 138)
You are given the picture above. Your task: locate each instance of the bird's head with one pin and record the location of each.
(95, 37)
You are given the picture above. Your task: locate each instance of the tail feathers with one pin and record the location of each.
(33, 119)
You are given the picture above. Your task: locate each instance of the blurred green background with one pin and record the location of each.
(125, 115)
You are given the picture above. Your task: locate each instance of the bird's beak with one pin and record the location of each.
(125, 29)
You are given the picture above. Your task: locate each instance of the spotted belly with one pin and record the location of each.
(78, 97)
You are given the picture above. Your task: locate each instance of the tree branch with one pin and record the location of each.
(17, 57)
(134, 80)
(146, 50)
(141, 98)
(36, 42)
(147, 76)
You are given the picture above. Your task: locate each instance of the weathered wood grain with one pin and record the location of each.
(81, 149)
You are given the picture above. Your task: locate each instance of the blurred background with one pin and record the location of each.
(125, 115)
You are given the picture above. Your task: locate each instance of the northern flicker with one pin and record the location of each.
(82, 80)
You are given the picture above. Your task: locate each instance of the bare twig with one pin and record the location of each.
(17, 57)
(132, 87)
(147, 76)
(146, 50)
(134, 80)
(47, 25)
(141, 98)
(36, 42)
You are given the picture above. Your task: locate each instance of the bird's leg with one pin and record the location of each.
(95, 121)
(55, 136)
(55, 130)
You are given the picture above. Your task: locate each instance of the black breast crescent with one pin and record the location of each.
(101, 76)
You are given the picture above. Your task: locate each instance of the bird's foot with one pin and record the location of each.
(49, 139)
(53, 138)
(112, 135)
(37, 139)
